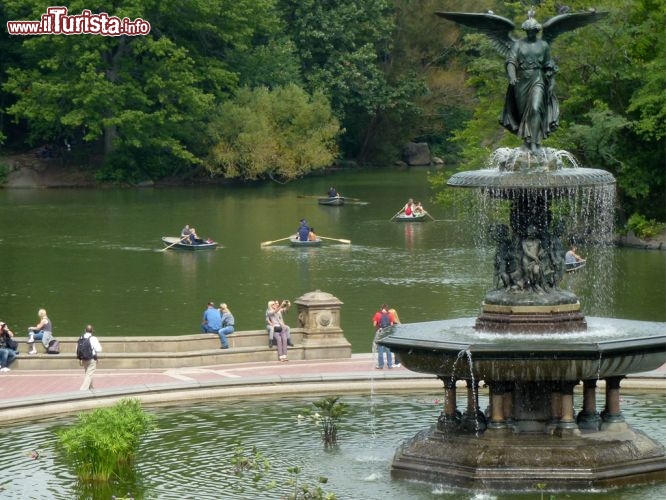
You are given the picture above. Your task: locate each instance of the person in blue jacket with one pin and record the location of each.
(303, 230)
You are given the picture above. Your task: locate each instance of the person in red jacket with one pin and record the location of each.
(382, 320)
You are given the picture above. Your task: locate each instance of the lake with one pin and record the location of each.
(94, 256)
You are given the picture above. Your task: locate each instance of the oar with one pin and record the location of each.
(346, 242)
(266, 243)
(175, 242)
(430, 216)
(396, 214)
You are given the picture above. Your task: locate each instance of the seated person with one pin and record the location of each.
(303, 231)
(408, 209)
(418, 209)
(8, 347)
(185, 234)
(312, 236)
(571, 258)
(212, 319)
(274, 321)
(332, 192)
(194, 238)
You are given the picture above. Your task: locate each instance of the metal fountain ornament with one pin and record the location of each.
(531, 344)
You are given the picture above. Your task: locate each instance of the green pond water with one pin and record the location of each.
(189, 455)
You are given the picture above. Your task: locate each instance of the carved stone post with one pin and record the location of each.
(612, 413)
(319, 322)
(567, 425)
(589, 418)
(497, 419)
(473, 420)
(449, 419)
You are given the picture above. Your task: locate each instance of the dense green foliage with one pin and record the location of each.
(103, 443)
(202, 92)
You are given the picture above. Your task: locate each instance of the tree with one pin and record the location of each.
(343, 48)
(144, 96)
(282, 133)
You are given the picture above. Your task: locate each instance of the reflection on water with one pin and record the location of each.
(189, 456)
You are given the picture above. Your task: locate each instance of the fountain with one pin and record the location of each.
(532, 345)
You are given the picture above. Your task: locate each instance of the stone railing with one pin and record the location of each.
(317, 336)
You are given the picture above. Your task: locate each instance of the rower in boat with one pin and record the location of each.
(572, 260)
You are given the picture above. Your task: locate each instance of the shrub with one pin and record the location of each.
(103, 442)
(644, 228)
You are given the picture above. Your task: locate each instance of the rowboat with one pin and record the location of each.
(332, 201)
(175, 243)
(575, 266)
(295, 242)
(410, 218)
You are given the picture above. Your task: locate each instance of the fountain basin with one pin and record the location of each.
(609, 347)
(532, 433)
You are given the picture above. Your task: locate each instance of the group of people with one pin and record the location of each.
(222, 322)
(383, 319)
(218, 320)
(43, 332)
(9, 347)
(305, 232)
(413, 208)
(189, 236)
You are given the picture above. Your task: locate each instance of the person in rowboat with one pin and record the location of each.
(571, 257)
(303, 230)
(408, 209)
(312, 236)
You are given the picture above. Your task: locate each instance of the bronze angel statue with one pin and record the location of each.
(531, 110)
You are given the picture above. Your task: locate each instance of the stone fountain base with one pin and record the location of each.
(509, 311)
(497, 460)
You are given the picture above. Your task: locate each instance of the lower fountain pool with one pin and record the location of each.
(189, 455)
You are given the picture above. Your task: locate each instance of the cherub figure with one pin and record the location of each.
(531, 110)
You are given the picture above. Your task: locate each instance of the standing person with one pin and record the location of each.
(41, 331)
(87, 348)
(381, 320)
(275, 325)
(8, 347)
(396, 321)
(303, 230)
(212, 319)
(228, 323)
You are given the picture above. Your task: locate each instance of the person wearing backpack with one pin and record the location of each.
(87, 348)
(381, 320)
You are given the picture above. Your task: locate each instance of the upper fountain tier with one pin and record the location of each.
(518, 169)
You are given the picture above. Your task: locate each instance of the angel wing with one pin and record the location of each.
(557, 25)
(497, 28)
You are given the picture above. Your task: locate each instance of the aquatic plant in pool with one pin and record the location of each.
(103, 443)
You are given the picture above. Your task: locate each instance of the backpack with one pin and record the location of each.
(53, 347)
(384, 320)
(84, 350)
